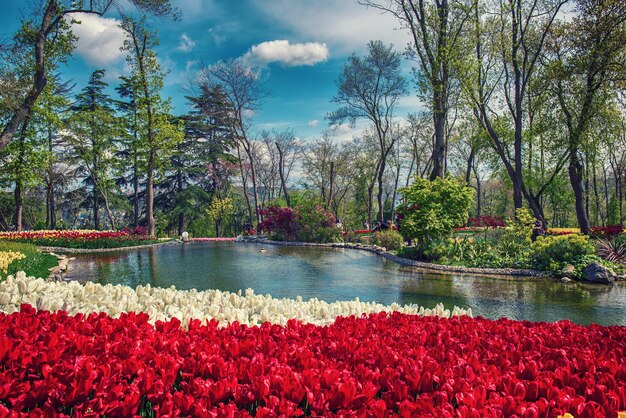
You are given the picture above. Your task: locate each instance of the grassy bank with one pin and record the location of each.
(34, 263)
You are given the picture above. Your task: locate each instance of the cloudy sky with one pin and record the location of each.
(299, 44)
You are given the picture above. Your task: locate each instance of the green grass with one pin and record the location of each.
(35, 264)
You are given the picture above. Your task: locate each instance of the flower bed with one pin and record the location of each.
(213, 239)
(19, 256)
(7, 257)
(81, 238)
(562, 231)
(376, 366)
(185, 305)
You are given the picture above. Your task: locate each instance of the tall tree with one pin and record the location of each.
(436, 28)
(289, 150)
(186, 188)
(92, 135)
(54, 101)
(588, 56)
(159, 135)
(48, 41)
(369, 88)
(507, 47)
(245, 91)
(130, 151)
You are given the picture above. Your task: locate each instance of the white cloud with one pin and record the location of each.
(291, 55)
(344, 25)
(217, 36)
(313, 122)
(342, 129)
(99, 39)
(186, 43)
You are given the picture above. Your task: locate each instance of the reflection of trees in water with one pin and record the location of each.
(542, 299)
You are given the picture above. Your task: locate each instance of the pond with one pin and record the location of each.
(334, 274)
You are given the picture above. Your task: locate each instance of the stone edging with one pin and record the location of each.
(102, 250)
(408, 262)
(56, 273)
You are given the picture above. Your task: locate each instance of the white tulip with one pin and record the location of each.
(163, 304)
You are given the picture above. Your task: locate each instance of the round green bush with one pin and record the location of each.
(554, 252)
(390, 239)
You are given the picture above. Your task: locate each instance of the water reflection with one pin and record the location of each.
(336, 274)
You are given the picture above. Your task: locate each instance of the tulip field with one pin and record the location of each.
(370, 361)
(80, 238)
(370, 366)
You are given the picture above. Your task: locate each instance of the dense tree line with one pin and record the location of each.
(523, 99)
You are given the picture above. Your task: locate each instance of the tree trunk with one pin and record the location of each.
(24, 110)
(254, 186)
(379, 195)
(50, 221)
(331, 184)
(479, 198)
(281, 172)
(19, 206)
(244, 184)
(19, 180)
(179, 186)
(107, 208)
(135, 193)
(150, 196)
(439, 119)
(595, 193)
(51, 218)
(394, 194)
(575, 170)
(370, 202)
(95, 205)
(470, 164)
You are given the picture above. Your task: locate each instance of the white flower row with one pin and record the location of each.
(164, 304)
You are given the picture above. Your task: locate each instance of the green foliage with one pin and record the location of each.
(315, 223)
(522, 225)
(390, 239)
(470, 252)
(35, 264)
(218, 210)
(433, 208)
(552, 253)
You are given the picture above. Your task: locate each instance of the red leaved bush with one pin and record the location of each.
(376, 366)
(281, 221)
(608, 231)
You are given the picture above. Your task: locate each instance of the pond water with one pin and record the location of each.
(334, 274)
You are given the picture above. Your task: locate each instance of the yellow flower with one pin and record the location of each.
(7, 257)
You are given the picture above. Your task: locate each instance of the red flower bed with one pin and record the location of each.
(608, 231)
(396, 365)
(486, 221)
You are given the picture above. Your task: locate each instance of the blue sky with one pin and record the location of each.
(299, 44)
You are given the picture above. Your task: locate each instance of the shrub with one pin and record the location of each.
(309, 222)
(390, 239)
(279, 223)
(433, 208)
(554, 252)
(613, 250)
